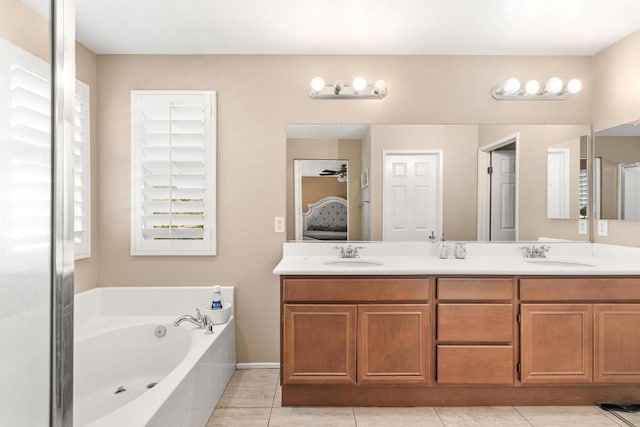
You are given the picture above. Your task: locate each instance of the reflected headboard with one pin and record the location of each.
(326, 219)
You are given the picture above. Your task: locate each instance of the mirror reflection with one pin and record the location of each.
(321, 199)
(464, 182)
(567, 192)
(617, 172)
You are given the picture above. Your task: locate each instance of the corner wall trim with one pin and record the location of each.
(270, 365)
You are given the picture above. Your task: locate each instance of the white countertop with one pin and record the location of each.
(408, 258)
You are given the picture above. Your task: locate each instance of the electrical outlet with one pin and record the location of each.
(582, 226)
(603, 227)
(279, 224)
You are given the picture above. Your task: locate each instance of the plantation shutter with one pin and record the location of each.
(173, 173)
(583, 191)
(28, 222)
(81, 173)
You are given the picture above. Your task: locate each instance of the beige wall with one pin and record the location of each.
(459, 145)
(318, 149)
(534, 140)
(86, 270)
(23, 27)
(616, 100)
(257, 97)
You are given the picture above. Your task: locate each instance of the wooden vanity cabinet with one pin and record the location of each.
(580, 330)
(617, 343)
(319, 344)
(459, 341)
(393, 343)
(556, 343)
(475, 331)
(356, 331)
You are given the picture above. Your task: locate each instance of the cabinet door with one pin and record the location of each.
(556, 343)
(319, 344)
(617, 343)
(393, 344)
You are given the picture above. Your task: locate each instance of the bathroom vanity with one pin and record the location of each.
(489, 330)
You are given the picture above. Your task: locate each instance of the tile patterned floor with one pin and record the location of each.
(253, 398)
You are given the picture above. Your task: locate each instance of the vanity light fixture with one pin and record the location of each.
(359, 89)
(553, 90)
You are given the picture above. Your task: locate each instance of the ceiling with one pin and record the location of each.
(411, 27)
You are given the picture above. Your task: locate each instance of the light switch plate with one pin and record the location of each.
(582, 226)
(279, 224)
(603, 227)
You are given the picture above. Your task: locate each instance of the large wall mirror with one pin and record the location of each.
(411, 182)
(616, 169)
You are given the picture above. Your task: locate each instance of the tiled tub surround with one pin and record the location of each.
(116, 346)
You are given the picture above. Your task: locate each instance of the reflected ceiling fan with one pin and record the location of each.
(340, 173)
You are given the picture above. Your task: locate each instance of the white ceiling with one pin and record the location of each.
(629, 129)
(413, 27)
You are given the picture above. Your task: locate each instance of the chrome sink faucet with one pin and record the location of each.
(201, 321)
(534, 251)
(349, 251)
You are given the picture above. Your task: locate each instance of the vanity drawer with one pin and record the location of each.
(477, 323)
(580, 289)
(475, 364)
(341, 289)
(475, 289)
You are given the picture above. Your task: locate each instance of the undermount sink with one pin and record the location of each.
(353, 263)
(561, 262)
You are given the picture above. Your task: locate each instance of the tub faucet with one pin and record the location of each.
(199, 320)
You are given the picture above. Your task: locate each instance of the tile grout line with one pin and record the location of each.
(523, 416)
(355, 420)
(438, 415)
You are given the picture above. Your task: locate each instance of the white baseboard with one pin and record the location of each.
(257, 365)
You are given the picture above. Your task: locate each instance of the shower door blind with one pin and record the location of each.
(173, 173)
(30, 151)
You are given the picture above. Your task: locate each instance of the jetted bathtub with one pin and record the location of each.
(133, 368)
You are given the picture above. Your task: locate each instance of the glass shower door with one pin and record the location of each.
(25, 212)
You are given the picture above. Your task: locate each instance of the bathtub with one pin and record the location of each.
(132, 367)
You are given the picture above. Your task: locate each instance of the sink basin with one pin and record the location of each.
(353, 263)
(561, 262)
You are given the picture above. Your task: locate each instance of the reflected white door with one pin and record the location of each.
(412, 204)
(503, 195)
(558, 188)
(629, 191)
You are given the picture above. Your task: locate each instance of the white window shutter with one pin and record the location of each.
(29, 171)
(173, 142)
(82, 172)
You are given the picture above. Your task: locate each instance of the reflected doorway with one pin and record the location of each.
(412, 195)
(321, 199)
(498, 190)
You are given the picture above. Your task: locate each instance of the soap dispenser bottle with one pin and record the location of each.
(216, 301)
(443, 248)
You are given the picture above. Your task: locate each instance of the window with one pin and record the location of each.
(173, 173)
(82, 173)
(29, 114)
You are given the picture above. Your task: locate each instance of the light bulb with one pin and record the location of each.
(574, 86)
(554, 85)
(532, 87)
(359, 83)
(511, 86)
(380, 87)
(317, 84)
